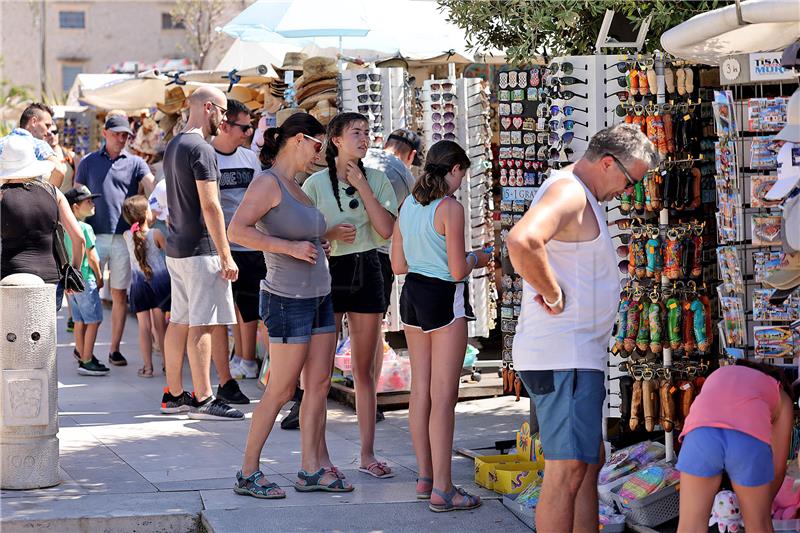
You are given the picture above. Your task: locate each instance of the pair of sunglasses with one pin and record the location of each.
(569, 95)
(565, 67)
(439, 127)
(351, 191)
(565, 80)
(375, 108)
(447, 116)
(370, 77)
(569, 125)
(368, 87)
(445, 87)
(364, 98)
(244, 127)
(447, 108)
(621, 67)
(447, 97)
(565, 138)
(622, 81)
(449, 136)
(567, 110)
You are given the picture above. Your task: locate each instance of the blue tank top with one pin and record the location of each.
(423, 246)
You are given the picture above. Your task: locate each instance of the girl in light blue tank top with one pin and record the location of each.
(428, 247)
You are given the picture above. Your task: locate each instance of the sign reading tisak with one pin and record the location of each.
(765, 66)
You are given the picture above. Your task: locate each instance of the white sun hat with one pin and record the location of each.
(18, 160)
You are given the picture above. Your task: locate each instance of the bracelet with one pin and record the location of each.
(474, 256)
(558, 300)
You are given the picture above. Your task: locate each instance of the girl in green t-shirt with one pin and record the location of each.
(359, 206)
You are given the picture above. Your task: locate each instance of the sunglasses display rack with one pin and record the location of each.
(459, 110)
(380, 95)
(756, 319)
(78, 130)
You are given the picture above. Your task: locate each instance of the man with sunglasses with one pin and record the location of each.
(563, 251)
(116, 175)
(237, 166)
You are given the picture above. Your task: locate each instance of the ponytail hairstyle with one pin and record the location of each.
(336, 129)
(275, 138)
(441, 158)
(134, 209)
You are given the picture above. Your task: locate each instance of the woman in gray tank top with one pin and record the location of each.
(277, 218)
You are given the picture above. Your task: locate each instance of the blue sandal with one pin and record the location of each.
(469, 502)
(311, 482)
(249, 486)
(425, 494)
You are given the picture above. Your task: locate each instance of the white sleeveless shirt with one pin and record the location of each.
(587, 274)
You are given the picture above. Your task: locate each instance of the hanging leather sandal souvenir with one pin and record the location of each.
(649, 399)
(674, 323)
(656, 322)
(643, 337)
(636, 405)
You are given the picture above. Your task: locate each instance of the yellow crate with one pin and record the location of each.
(512, 478)
(527, 459)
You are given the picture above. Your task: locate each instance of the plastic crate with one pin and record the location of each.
(604, 492)
(653, 510)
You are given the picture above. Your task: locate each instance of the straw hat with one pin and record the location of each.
(318, 68)
(327, 95)
(315, 87)
(148, 138)
(291, 61)
(18, 160)
(173, 100)
(324, 111)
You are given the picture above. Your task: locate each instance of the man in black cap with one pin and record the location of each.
(116, 175)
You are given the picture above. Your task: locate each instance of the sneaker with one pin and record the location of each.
(117, 359)
(233, 366)
(379, 416)
(92, 368)
(231, 393)
(213, 409)
(70, 325)
(244, 370)
(292, 420)
(95, 360)
(175, 404)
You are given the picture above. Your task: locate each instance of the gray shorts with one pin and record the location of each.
(112, 250)
(200, 297)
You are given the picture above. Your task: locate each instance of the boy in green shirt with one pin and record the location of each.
(87, 310)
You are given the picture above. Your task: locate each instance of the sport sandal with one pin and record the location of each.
(249, 486)
(469, 502)
(424, 494)
(311, 482)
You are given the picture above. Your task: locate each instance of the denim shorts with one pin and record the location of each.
(295, 320)
(569, 408)
(86, 306)
(707, 451)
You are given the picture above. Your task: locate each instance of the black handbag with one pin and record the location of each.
(71, 278)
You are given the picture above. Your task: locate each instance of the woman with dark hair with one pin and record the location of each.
(740, 423)
(428, 246)
(359, 205)
(276, 217)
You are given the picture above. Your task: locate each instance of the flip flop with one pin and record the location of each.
(387, 472)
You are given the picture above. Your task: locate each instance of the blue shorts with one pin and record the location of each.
(86, 306)
(707, 451)
(295, 320)
(569, 408)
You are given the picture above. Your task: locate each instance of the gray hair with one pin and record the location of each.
(626, 142)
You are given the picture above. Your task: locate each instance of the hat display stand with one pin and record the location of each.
(766, 326)
(458, 110)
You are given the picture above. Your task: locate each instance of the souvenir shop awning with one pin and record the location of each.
(162, 65)
(708, 38)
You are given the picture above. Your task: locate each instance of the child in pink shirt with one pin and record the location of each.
(741, 423)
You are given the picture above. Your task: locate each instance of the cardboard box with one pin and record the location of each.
(509, 474)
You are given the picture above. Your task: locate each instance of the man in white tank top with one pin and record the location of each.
(563, 251)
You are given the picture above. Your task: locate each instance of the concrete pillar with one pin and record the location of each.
(28, 383)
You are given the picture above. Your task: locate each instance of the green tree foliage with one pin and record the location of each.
(526, 29)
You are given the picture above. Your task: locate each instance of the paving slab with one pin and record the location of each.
(401, 517)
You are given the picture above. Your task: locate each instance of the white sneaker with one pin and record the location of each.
(245, 371)
(234, 368)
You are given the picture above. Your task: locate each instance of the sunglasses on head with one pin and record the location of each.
(370, 77)
(364, 98)
(375, 108)
(317, 142)
(244, 127)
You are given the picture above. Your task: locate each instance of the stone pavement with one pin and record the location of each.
(125, 467)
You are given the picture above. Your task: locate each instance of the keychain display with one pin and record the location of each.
(675, 251)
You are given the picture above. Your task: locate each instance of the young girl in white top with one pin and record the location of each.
(428, 246)
(149, 292)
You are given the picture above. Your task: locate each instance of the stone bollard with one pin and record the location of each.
(28, 385)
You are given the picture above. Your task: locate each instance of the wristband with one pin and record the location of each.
(472, 255)
(558, 300)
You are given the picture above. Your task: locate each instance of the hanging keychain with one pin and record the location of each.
(674, 322)
(687, 397)
(625, 393)
(638, 198)
(622, 323)
(632, 331)
(625, 203)
(648, 201)
(669, 134)
(636, 403)
(655, 262)
(643, 337)
(696, 195)
(638, 246)
(687, 319)
(643, 83)
(666, 401)
(700, 331)
(697, 240)
(672, 255)
(649, 397)
(656, 321)
(633, 80)
(709, 320)
(650, 128)
(660, 134)
(687, 252)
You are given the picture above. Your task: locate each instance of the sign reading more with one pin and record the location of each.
(767, 66)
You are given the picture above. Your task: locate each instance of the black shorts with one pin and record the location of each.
(388, 279)
(247, 287)
(357, 283)
(433, 303)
